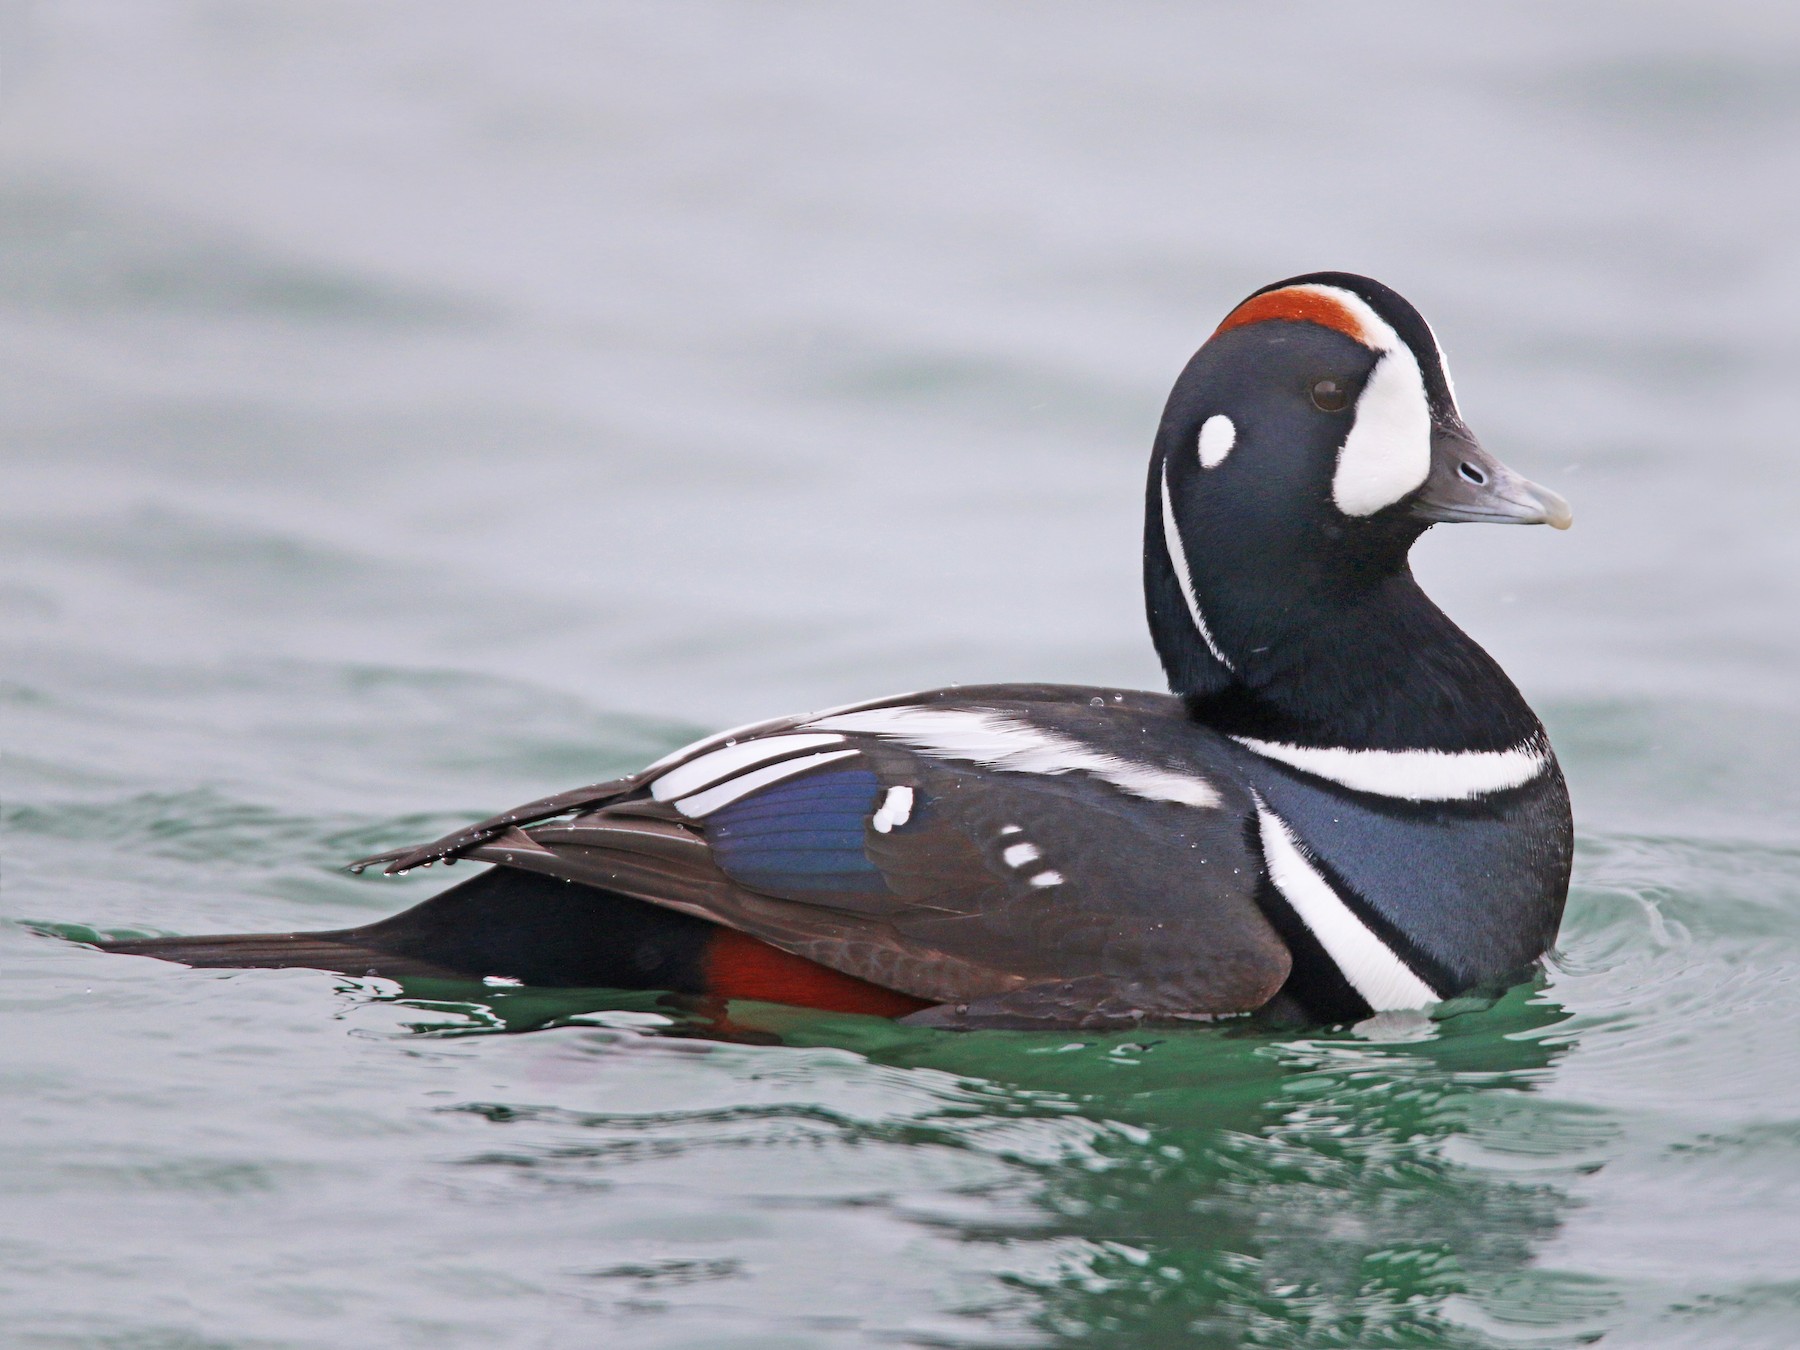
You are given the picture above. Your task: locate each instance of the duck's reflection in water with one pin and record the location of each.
(1235, 1184)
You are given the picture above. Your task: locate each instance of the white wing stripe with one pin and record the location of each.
(1413, 775)
(693, 748)
(704, 803)
(722, 763)
(1385, 982)
(986, 736)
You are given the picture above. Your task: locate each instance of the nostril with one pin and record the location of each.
(1472, 474)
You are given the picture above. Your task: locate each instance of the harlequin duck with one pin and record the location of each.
(1343, 806)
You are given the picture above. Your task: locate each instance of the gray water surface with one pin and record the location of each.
(412, 408)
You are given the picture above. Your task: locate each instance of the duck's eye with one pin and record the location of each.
(1330, 394)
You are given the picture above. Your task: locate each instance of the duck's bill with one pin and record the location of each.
(1467, 483)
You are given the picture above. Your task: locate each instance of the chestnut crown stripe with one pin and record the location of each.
(1297, 304)
(1311, 302)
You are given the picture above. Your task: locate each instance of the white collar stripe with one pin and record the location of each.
(1386, 983)
(1413, 775)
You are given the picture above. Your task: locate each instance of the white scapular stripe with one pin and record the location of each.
(705, 803)
(1000, 741)
(1017, 855)
(1178, 560)
(1047, 879)
(1412, 775)
(1386, 983)
(710, 768)
(896, 809)
(1218, 434)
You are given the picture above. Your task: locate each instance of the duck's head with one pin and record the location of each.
(1304, 450)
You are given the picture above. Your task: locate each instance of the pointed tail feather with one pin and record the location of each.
(277, 951)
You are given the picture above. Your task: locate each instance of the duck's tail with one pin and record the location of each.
(531, 928)
(543, 931)
(340, 951)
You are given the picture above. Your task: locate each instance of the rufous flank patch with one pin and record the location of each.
(740, 966)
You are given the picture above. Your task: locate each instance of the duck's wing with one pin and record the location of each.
(1017, 854)
(463, 842)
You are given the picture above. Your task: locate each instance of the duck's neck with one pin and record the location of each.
(1367, 663)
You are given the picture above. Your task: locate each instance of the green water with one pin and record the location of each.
(411, 412)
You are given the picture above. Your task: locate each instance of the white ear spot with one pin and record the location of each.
(1217, 435)
(1388, 451)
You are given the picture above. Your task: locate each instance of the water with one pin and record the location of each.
(413, 409)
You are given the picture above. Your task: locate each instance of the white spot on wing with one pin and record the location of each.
(1385, 982)
(1003, 742)
(704, 803)
(896, 809)
(1017, 855)
(1218, 434)
(1178, 560)
(722, 763)
(1047, 879)
(1413, 775)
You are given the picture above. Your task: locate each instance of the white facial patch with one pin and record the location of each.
(1218, 434)
(1388, 451)
(1411, 775)
(1178, 560)
(896, 809)
(1003, 742)
(1386, 983)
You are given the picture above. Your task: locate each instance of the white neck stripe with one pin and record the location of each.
(1386, 983)
(1413, 775)
(1178, 560)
